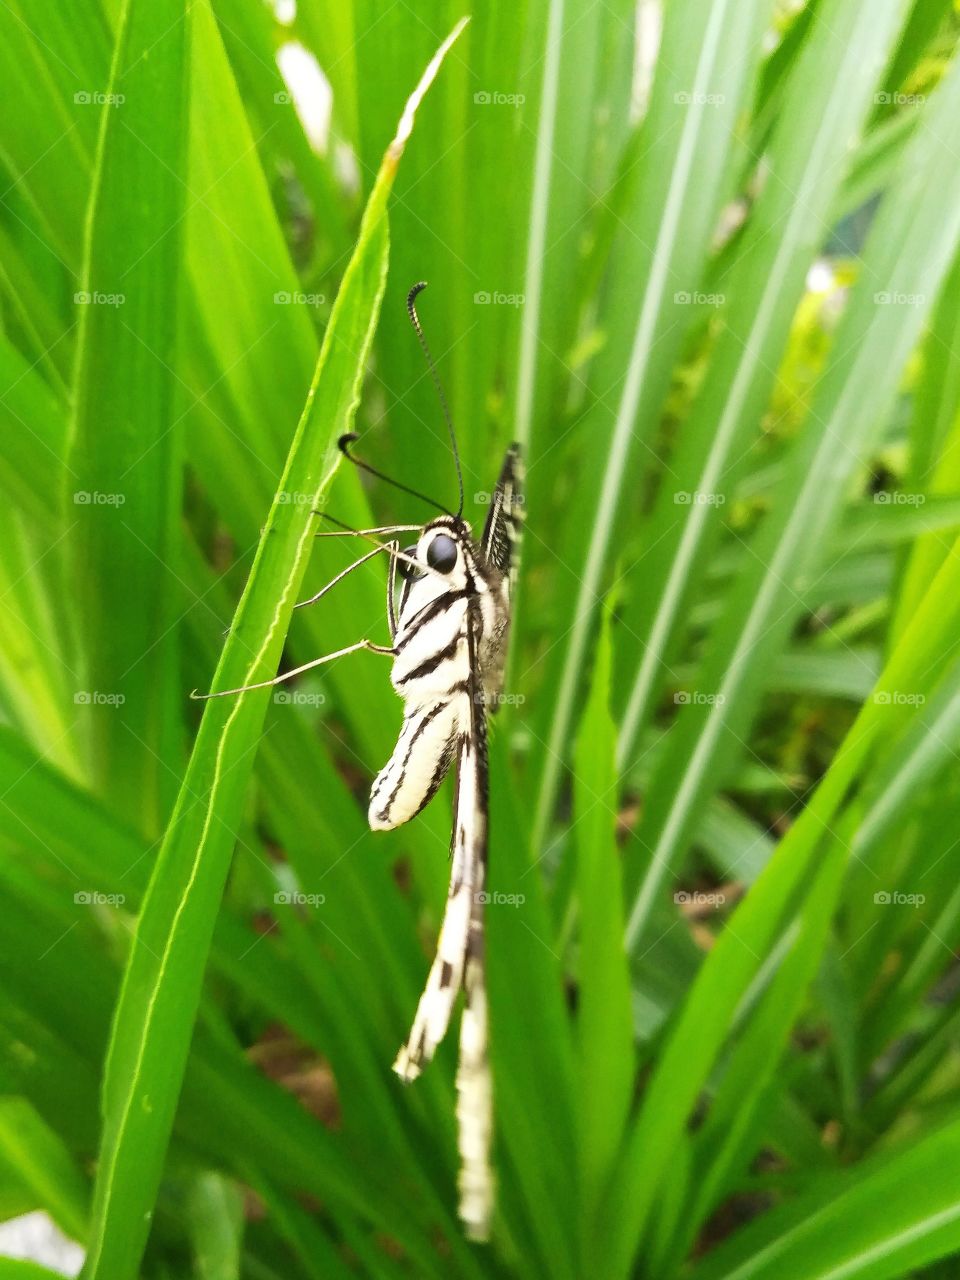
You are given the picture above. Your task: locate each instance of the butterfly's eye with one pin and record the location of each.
(442, 553)
(405, 568)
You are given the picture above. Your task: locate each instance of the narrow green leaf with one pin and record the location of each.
(604, 1017)
(215, 1212)
(44, 1163)
(124, 485)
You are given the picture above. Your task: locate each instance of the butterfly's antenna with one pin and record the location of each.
(415, 321)
(344, 443)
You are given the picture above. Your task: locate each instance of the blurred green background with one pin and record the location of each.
(702, 259)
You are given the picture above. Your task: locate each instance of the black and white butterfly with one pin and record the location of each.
(450, 642)
(449, 619)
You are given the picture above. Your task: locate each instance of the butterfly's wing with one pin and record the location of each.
(501, 533)
(474, 1080)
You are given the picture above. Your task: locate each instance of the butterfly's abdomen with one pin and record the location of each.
(418, 765)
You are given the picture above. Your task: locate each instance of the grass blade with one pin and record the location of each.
(124, 486)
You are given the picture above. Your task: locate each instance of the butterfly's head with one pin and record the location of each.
(440, 548)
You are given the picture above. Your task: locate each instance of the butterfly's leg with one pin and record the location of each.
(307, 666)
(391, 587)
(343, 573)
(346, 530)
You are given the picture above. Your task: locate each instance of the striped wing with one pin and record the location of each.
(501, 533)
(474, 1079)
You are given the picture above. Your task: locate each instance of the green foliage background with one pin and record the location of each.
(703, 260)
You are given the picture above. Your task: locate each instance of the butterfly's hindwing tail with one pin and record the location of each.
(474, 1079)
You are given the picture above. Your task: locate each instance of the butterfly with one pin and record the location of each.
(450, 644)
(449, 620)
